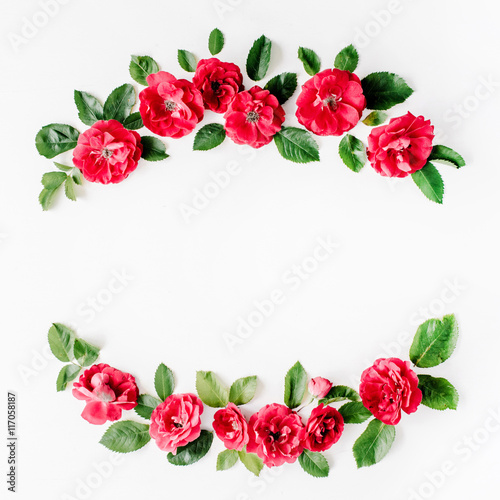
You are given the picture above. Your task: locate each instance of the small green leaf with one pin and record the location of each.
(153, 149)
(164, 382)
(133, 121)
(259, 58)
(52, 180)
(243, 390)
(209, 137)
(354, 413)
(442, 153)
(296, 145)
(352, 151)
(187, 60)
(282, 86)
(55, 139)
(64, 168)
(434, 342)
(119, 104)
(141, 67)
(211, 391)
(347, 59)
(86, 354)
(375, 118)
(384, 90)
(46, 197)
(66, 375)
(77, 177)
(145, 405)
(62, 341)
(251, 461)
(310, 60)
(314, 463)
(192, 452)
(438, 393)
(215, 41)
(126, 436)
(69, 188)
(227, 459)
(340, 393)
(295, 385)
(89, 108)
(374, 444)
(430, 182)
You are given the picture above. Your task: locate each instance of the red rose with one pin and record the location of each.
(401, 147)
(218, 83)
(231, 427)
(331, 102)
(323, 429)
(107, 152)
(388, 387)
(254, 117)
(276, 435)
(107, 392)
(176, 422)
(170, 107)
(319, 387)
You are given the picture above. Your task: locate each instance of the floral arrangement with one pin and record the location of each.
(277, 433)
(331, 103)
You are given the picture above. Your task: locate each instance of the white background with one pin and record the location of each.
(397, 252)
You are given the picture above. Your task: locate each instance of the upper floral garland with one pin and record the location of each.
(331, 103)
(274, 435)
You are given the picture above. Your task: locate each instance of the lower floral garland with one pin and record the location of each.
(274, 435)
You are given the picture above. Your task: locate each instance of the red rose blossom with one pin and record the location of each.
(218, 83)
(323, 429)
(401, 147)
(276, 435)
(331, 102)
(254, 117)
(231, 427)
(176, 422)
(170, 107)
(107, 392)
(107, 152)
(388, 387)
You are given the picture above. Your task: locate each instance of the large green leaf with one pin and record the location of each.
(164, 381)
(430, 182)
(133, 121)
(310, 60)
(187, 60)
(374, 444)
(296, 145)
(145, 405)
(86, 354)
(153, 149)
(52, 180)
(243, 390)
(46, 197)
(437, 393)
(209, 137)
(347, 59)
(215, 41)
(226, 459)
(314, 464)
(295, 385)
(141, 67)
(55, 139)
(352, 151)
(354, 412)
(126, 436)
(119, 104)
(66, 375)
(62, 341)
(211, 391)
(384, 90)
(442, 153)
(259, 58)
(251, 461)
(340, 393)
(192, 452)
(282, 86)
(89, 108)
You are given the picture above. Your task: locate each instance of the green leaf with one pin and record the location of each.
(340, 393)
(430, 182)
(310, 60)
(314, 463)
(354, 412)
(164, 382)
(211, 391)
(89, 108)
(243, 390)
(133, 121)
(209, 137)
(187, 60)
(126, 436)
(374, 444)
(227, 459)
(52, 180)
(442, 153)
(215, 41)
(347, 59)
(192, 452)
(282, 86)
(434, 342)
(86, 354)
(141, 67)
(153, 149)
(66, 375)
(61, 341)
(375, 118)
(55, 139)
(69, 188)
(296, 145)
(352, 151)
(251, 461)
(295, 385)
(384, 90)
(259, 58)
(119, 104)
(437, 393)
(77, 176)
(145, 405)
(46, 197)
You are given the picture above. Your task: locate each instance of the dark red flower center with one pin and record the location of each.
(253, 117)
(275, 435)
(215, 85)
(332, 102)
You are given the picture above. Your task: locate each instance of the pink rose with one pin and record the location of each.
(319, 387)
(254, 117)
(218, 83)
(176, 422)
(276, 435)
(170, 107)
(388, 387)
(401, 147)
(331, 102)
(231, 427)
(107, 152)
(107, 392)
(323, 429)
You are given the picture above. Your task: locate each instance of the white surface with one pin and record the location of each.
(192, 281)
